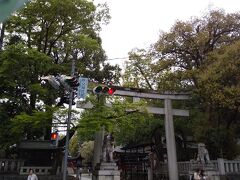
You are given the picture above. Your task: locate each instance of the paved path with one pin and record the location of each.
(85, 177)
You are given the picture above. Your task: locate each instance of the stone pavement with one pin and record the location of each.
(85, 177)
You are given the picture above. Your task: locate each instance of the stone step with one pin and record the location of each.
(108, 168)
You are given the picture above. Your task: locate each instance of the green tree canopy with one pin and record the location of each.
(20, 88)
(199, 56)
(128, 122)
(61, 29)
(42, 39)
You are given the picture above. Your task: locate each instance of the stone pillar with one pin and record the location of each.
(170, 139)
(150, 173)
(98, 143)
(107, 171)
(221, 167)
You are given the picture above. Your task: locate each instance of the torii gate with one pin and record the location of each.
(169, 112)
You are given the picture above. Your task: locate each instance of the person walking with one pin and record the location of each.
(31, 175)
(202, 175)
(196, 175)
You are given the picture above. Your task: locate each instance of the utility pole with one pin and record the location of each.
(69, 119)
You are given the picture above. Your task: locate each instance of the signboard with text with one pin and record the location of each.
(82, 88)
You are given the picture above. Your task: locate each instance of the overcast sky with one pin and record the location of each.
(137, 23)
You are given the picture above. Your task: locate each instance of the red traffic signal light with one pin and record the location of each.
(54, 139)
(111, 91)
(104, 90)
(54, 136)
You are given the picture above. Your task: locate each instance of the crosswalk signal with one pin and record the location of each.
(104, 90)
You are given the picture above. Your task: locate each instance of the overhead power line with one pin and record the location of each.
(110, 59)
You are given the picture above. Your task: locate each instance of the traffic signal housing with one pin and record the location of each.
(54, 139)
(104, 90)
(52, 81)
(72, 81)
(65, 99)
(69, 82)
(111, 91)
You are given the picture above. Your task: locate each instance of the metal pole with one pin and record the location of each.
(69, 120)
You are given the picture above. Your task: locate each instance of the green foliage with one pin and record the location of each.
(86, 150)
(38, 40)
(219, 87)
(63, 28)
(128, 122)
(219, 82)
(138, 71)
(173, 62)
(134, 128)
(31, 126)
(92, 120)
(24, 126)
(74, 146)
(221, 142)
(200, 56)
(20, 69)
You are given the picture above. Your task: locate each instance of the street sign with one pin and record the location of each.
(82, 88)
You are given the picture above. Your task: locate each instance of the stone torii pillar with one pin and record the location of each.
(170, 139)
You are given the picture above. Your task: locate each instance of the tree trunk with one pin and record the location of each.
(2, 35)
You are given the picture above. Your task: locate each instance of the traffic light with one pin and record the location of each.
(54, 138)
(111, 91)
(65, 100)
(72, 81)
(97, 90)
(104, 90)
(69, 82)
(52, 80)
